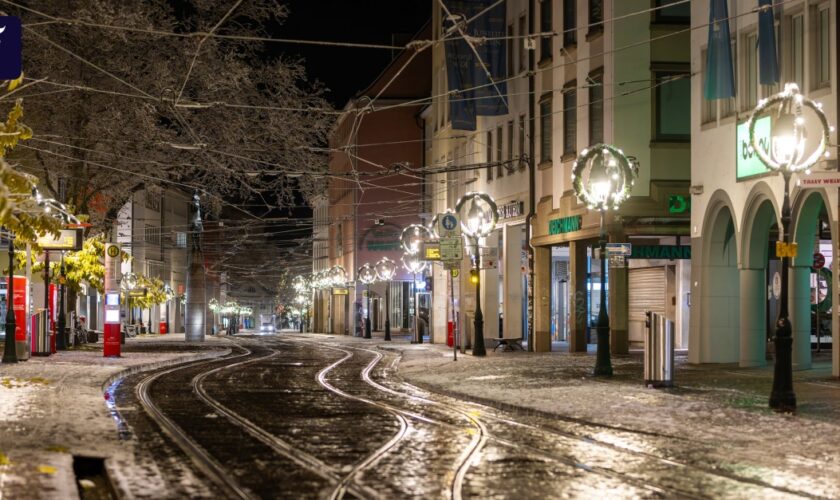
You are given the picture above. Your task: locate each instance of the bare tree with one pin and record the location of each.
(133, 95)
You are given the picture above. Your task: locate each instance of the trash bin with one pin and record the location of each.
(659, 350)
(40, 335)
(162, 328)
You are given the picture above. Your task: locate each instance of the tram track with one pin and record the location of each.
(465, 409)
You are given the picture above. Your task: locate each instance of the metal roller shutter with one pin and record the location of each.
(646, 292)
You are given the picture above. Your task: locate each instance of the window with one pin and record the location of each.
(596, 16)
(545, 27)
(673, 106)
(152, 234)
(510, 67)
(822, 66)
(154, 269)
(153, 201)
(489, 155)
(545, 128)
(500, 169)
(797, 50)
(596, 107)
(727, 106)
(180, 240)
(569, 23)
(510, 143)
(750, 77)
(677, 14)
(521, 141)
(709, 111)
(523, 30)
(569, 118)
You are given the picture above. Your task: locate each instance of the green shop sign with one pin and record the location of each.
(679, 204)
(669, 252)
(747, 162)
(564, 224)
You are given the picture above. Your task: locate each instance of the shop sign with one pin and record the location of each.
(67, 240)
(137, 292)
(786, 249)
(382, 239)
(669, 252)
(511, 210)
(679, 204)
(747, 162)
(828, 179)
(340, 291)
(564, 224)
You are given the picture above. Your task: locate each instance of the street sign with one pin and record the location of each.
(617, 260)
(431, 250)
(451, 249)
(68, 239)
(623, 249)
(137, 292)
(488, 263)
(455, 272)
(490, 252)
(786, 249)
(819, 261)
(448, 225)
(340, 291)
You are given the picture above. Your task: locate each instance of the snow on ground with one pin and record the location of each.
(52, 408)
(716, 416)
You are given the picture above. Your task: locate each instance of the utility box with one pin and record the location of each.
(659, 350)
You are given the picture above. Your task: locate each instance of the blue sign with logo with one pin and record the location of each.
(449, 222)
(11, 59)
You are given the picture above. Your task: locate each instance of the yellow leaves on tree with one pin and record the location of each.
(86, 265)
(155, 293)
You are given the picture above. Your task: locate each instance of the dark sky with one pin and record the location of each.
(346, 71)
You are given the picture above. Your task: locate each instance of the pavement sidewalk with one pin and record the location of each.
(52, 409)
(719, 412)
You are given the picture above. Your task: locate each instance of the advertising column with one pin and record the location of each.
(21, 306)
(112, 302)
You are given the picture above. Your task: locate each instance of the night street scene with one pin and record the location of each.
(436, 249)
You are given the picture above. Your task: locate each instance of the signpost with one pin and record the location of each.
(67, 240)
(450, 252)
(111, 342)
(819, 261)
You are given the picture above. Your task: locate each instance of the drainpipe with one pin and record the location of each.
(531, 179)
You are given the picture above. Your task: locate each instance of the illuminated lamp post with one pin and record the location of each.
(479, 214)
(367, 275)
(788, 139)
(385, 270)
(602, 177)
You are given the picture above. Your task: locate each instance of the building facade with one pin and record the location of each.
(736, 202)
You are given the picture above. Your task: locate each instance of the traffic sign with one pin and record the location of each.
(455, 272)
(624, 249)
(448, 225)
(819, 261)
(451, 249)
(431, 250)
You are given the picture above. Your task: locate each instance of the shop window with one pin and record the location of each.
(673, 106)
(569, 118)
(708, 106)
(596, 16)
(727, 106)
(797, 50)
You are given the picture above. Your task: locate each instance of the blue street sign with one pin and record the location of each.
(449, 222)
(11, 60)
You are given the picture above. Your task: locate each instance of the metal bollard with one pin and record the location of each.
(659, 351)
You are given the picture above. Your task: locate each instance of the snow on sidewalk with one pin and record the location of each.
(52, 408)
(718, 417)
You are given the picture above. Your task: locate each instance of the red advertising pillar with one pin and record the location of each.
(112, 302)
(20, 307)
(53, 297)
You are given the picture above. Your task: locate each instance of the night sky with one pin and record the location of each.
(345, 71)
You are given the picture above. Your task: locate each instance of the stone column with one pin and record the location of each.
(542, 299)
(619, 302)
(578, 318)
(800, 315)
(513, 290)
(753, 324)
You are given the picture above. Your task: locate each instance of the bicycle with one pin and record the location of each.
(78, 332)
(130, 330)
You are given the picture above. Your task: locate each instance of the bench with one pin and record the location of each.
(509, 344)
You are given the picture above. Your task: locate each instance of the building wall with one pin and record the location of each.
(753, 205)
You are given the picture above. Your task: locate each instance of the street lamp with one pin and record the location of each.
(385, 270)
(367, 275)
(602, 177)
(479, 215)
(412, 263)
(9, 348)
(787, 155)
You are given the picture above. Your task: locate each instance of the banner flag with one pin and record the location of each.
(768, 61)
(465, 70)
(720, 79)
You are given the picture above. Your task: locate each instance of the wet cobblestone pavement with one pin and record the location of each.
(311, 416)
